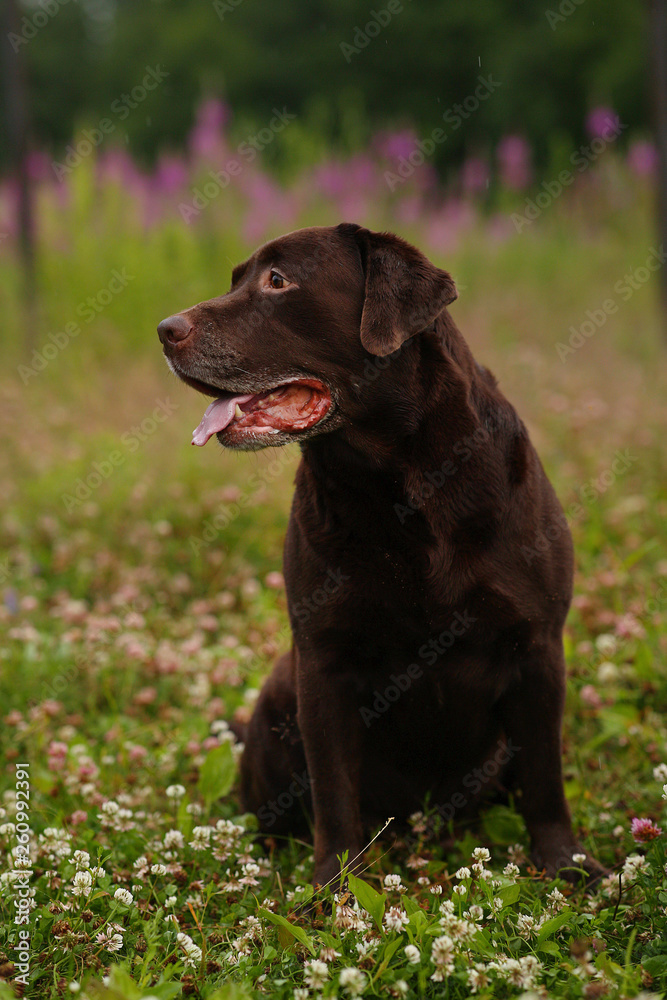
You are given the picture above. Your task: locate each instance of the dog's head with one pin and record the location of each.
(285, 353)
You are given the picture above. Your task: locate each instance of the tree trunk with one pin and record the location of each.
(18, 134)
(658, 28)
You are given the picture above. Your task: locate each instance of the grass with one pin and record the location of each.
(143, 606)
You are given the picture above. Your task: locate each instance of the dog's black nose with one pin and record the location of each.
(173, 329)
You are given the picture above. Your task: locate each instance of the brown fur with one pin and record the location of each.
(417, 503)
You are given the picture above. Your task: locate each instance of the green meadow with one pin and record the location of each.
(142, 606)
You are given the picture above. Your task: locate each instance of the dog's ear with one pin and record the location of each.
(404, 290)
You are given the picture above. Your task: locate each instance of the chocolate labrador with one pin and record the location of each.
(428, 563)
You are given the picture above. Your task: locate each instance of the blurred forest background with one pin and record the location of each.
(555, 61)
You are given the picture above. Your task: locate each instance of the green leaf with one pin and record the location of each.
(503, 826)
(551, 926)
(389, 952)
(282, 924)
(656, 965)
(372, 901)
(483, 943)
(410, 905)
(549, 948)
(230, 991)
(509, 894)
(217, 773)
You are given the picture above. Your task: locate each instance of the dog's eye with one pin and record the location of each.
(276, 280)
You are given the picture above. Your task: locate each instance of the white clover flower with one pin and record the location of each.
(556, 899)
(98, 872)
(578, 858)
(219, 726)
(7, 830)
(194, 809)
(634, 863)
(158, 869)
(496, 905)
(481, 854)
(112, 942)
(475, 913)
(353, 981)
(201, 836)
(436, 890)
(393, 882)
(606, 644)
(81, 859)
(316, 973)
(328, 954)
(301, 993)
(395, 919)
(21, 860)
(525, 924)
(664, 791)
(124, 896)
(659, 773)
(74, 987)
(175, 791)
(463, 873)
(192, 951)
(477, 978)
(442, 954)
(607, 672)
(412, 953)
(173, 838)
(82, 884)
(460, 890)
(511, 870)
(109, 808)
(400, 988)
(170, 901)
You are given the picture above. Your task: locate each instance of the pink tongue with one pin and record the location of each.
(218, 416)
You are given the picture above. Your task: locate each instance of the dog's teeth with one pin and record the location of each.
(238, 412)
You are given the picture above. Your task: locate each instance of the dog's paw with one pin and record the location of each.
(568, 863)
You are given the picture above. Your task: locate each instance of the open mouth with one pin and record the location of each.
(289, 408)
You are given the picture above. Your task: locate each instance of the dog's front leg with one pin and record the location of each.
(330, 727)
(532, 714)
